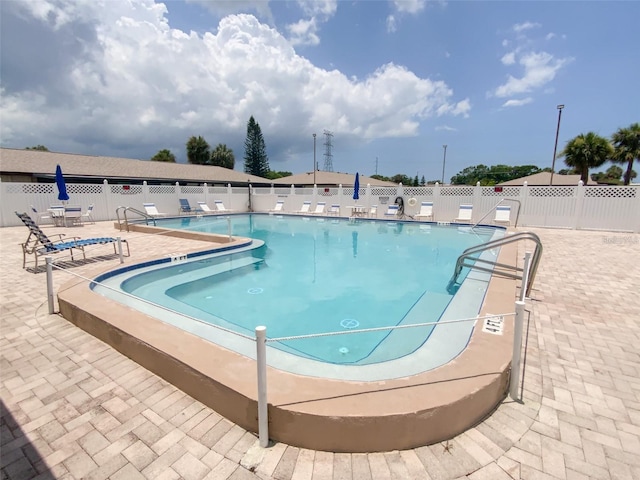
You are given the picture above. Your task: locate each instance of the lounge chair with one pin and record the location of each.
(202, 206)
(305, 207)
(220, 206)
(278, 206)
(151, 210)
(319, 208)
(426, 211)
(334, 210)
(185, 207)
(88, 215)
(503, 214)
(72, 215)
(39, 244)
(392, 210)
(464, 214)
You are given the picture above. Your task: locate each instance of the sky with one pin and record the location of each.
(393, 81)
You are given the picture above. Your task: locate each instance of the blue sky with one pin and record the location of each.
(391, 80)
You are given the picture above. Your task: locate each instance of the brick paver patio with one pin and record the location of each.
(72, 407)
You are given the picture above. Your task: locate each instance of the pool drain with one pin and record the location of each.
(255, 291)
(349, 323)
(344, 350)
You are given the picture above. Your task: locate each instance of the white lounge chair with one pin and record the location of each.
(152, 210)
(392, 210)
(503, 214)
(278, 207)
(220, 206)
(426, 211)
(305, 207)
(334, 210)
(203, 207)
(464, 214)
(319, 208)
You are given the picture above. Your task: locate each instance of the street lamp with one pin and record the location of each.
(555, 147)
(444, 159)
(314, 158)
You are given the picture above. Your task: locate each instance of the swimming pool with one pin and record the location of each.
(306, 275)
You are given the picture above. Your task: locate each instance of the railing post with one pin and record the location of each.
(514, 383)
(49, 261)
(120, 250)
(525, 275)
(263, 411)
(229, 229)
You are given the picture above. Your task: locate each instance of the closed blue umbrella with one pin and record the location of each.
(356, 187)
(63, 196)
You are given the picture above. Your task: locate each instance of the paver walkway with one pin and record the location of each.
(72, 407)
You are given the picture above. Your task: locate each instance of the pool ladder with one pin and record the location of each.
(145, 215)
(509, 271)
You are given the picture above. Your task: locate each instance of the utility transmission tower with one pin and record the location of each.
(328, 146)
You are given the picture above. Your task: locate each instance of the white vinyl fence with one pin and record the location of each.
(611, 208)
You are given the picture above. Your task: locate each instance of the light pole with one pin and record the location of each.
(444, 160)
(555, 147)
(314, 158)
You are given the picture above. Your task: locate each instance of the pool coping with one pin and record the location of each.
(311, 412)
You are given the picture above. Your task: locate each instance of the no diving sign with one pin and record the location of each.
(493, 325)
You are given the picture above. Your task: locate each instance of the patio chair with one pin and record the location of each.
(40, 215)
(202, 206)
(503, 215)
(278, 206)
(152, 210)
(319, 208)
(392, 210)
(220, 206)
(426, 210)
(334, 210)
(464, 214)
(72, 215)
(185, 207)
(38, 244)
(88, 215)
(373, 211)
(305, 207)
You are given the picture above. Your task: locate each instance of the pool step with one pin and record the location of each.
(163, 284)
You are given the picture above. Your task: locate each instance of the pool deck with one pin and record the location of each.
(73, 407)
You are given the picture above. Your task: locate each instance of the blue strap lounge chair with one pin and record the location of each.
(185, 207)
(39, 244)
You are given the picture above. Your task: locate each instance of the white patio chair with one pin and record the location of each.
(203, 207)
(426, 211)
(220, 206)
(392, 210)
(88, 215)
(305, 207)
(319, 208)
(464, 214)
(278, 206)
(503, 215)
(152, 210)
(334, 210)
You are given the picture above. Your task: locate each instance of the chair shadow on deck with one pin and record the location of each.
(69, 263)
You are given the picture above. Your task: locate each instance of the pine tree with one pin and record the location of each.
(256, 161)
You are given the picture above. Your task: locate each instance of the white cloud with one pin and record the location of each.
(446, 128)
(391, 24)
(409, 6)
(550, 36)
(509, 58)
(539, 69)
(142, 86)
(521, 27)
(517, 103)
(304, 32)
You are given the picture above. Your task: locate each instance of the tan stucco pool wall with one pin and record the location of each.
(309, 412)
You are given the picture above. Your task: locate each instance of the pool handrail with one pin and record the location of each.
(515, 225)
(146, 216)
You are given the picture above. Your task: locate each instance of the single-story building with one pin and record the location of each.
(544, 178)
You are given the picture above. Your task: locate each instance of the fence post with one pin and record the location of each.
(578, 208)
(525, 275)
(514, 383)
(263, 411)
(49, 261)
(477, 199)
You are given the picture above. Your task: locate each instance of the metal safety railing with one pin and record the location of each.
(145, 215)
(501, 202)
(468, 260)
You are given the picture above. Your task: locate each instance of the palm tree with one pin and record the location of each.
(626, 143)
(586, 151)
(222, 156)
(198, 151)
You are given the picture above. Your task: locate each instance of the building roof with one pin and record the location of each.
(43, 165)
(543, 178)
(330, 178)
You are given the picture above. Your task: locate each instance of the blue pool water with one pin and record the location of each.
(316, 275)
